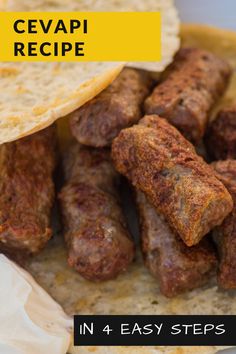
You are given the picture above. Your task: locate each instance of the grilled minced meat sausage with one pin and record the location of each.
(225, 234)
(97, 238)
(119, 106)
(193, 84)
(159, 161)
(177, 267)
(27, 192)
(221, 135)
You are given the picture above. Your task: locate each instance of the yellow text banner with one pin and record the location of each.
(80, 36)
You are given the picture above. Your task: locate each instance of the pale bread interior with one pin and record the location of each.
(34, 95)
(170, 20)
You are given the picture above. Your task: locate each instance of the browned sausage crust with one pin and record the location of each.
(221, 135)
(225, 234)
(158, 160)
(27, 192)
(194, 82)
(177, 267)
(99, 121)
(97, 238)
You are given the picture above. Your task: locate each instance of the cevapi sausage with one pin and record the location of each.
(193, 84)
(177, 267)
(159, 161)
(225, 234)
(97, 238)
(119, 106)
(221, 135)
(27, 192)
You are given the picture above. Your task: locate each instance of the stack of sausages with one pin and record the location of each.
(143, 130)
(179, 197)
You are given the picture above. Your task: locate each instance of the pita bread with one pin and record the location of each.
(3, 5)
(34, 95)
(136, 292)
(170, 20)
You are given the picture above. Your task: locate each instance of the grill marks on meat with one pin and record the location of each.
(97, 238)
(177, 267)
(119, 106)
(194, 82)
(159, 161)
(27, 192)
(221, 135)
(225, 234)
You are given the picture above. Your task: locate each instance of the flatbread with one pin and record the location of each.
(34, 95)
(136, 291)
(170, 20)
